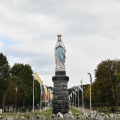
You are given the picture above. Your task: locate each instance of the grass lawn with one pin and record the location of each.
(48, 112)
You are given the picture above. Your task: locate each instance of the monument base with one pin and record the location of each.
(60, 93)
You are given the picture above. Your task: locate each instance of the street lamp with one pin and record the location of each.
(90, 90)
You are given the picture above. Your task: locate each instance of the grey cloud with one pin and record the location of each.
(90, 31)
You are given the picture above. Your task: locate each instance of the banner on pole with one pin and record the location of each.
(46, 90)
(37, 77)
(79, 88)
(74, 92)
(50, 90)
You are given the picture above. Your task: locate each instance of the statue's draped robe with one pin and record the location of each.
(60, 56)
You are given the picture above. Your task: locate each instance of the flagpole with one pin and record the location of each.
(78, 97)
(82, 99)
(33, 94)
(82, 96)
(40, 100)
(70, 100)
(36, 76)
(75, 101)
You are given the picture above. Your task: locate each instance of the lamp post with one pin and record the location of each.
(90, 90)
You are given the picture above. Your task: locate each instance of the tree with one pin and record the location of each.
(107, 78)
(24, 72)
(13, 95)
(4, 75)
(14, 82)
(98, 93)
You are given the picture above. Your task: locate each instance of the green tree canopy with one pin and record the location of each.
(25, 82)
(14, 87)
(107, 79)
(4, 74)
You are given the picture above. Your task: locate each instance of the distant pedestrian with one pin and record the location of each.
(112, 110)
(23, 109)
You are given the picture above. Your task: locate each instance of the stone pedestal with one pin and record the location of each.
(60, 93)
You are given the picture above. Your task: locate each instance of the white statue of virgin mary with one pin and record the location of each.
(60, 55)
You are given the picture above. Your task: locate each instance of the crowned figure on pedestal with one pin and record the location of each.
(60, 55)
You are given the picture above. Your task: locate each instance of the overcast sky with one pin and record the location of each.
(90, 31)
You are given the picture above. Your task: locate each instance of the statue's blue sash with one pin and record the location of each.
(61, 55)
